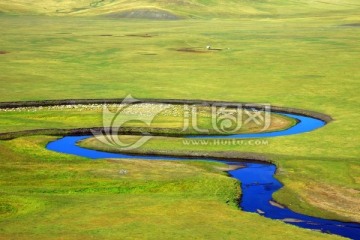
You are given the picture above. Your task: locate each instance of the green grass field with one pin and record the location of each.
(299, 54)
(182, 8)
(48, 195)
(168, 118)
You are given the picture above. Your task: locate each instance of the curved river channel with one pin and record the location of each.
(257, 179)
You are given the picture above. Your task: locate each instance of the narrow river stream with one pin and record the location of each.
(257, 179)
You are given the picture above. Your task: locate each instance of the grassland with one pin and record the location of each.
(46, 195)
(162, 118)
(301, 57)
(261, 61)
(182, 8)
(334, 178)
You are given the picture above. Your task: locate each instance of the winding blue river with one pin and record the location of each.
(257, 179)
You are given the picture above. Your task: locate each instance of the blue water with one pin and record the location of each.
(258, 185)
(304, 124)
(257, 179)
(68, 145)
